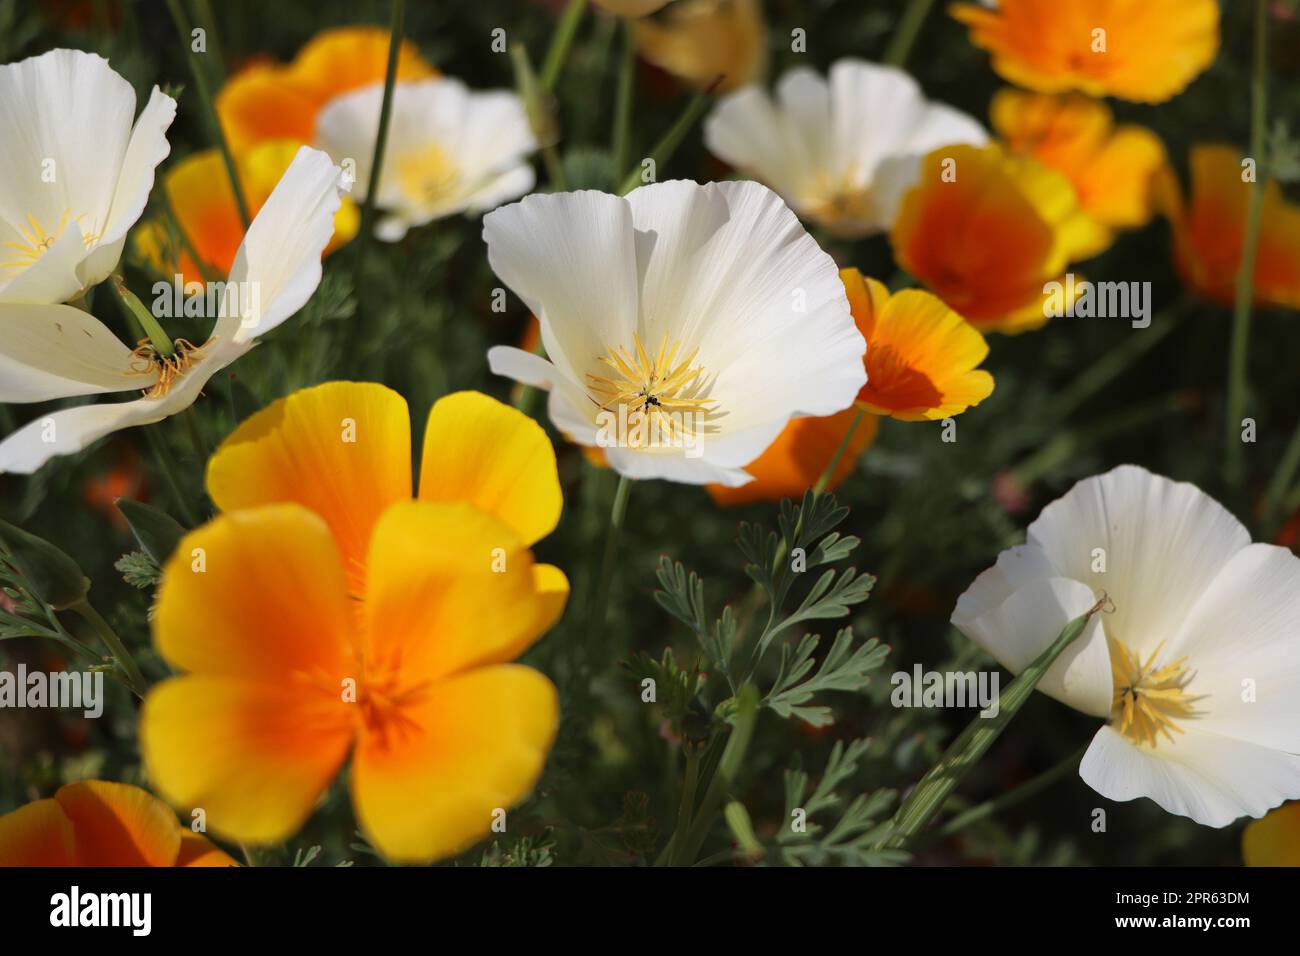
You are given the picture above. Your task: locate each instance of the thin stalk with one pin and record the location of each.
(561, 40)
(666, 146)
(1239, 348)
(209, 108)
(829, 471)
(909, 26)
(685, 806)
(135, 679)
(1280, 483)
(733, 755)
(163, 461)
(203, 15)
(623, 100)
(1009, 799)
(600, 597)
(141, 318)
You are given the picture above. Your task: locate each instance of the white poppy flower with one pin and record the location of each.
(684, 324)
(842, 153)
(58, 351)
(449, 149)
(75, 174)
(1197, 670)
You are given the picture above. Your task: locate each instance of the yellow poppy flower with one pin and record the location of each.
(348, 619)
(1143, 50)
(1274, 839)
(793, 463)
(274, 101)
(98, 823)
(1209, 230)
(1112, 168)
(699, 40)
(921, 355)
(985, 230)
(198, 190)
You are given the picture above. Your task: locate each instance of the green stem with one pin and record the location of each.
(829, 471)
(623, 100)
(666, 146)
(908, 29)
(1009, 799)
(600, 597)
(140, 317)
(135, 679)
(733, 755)
(1280, 483)
(206, 20)
(685, 806)
(209, 108)
(929, 796)
(561, 40)
(163, 461)
(1241, 314)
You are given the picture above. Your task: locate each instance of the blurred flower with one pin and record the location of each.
(921, 355)
(75, 174)
(699, 40)
(631, 8)
(1196, 671)
(793, 463)
(290, 667)
(57, 351)
(684, 325)
(1210, 230)
(98, 823)
(1273, 840)
(1112, 168)
(124, 480)
(842, 153)
(199, 193)
(449, 150)
(1143, 50)
(985, 230)
(343, 450)
(273, 101)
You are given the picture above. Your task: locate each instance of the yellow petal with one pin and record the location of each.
(699, 41)
(259, 594)
(429, 785)
(255, 757)
(494, 457)
(451, 587)
(1273, 840)
(342, 449)
(119, 825)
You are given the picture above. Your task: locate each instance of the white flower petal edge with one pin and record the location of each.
(450, 149)
(75, 173)
(280, 256)
(719, 279)
(1216, 616)
(842, 151)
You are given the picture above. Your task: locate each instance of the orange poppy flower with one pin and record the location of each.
(330, 615)
(1209, 231)
(1112, 168)
(985, 230)
(198, 191)
(274, 101)
(793, 463)
(631, 8)
(1274, 839)
(921, 355)
(699, 40)
(98, 823)
(1143, 50)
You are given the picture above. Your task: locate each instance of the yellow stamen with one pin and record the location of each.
(35, 241)
(1149, 699)
(428, 176)
(170, 368)
(667, 390)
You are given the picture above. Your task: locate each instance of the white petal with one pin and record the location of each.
(278, 263)
(525, 367)
(511, 184)
(74, 429)
(571, 258)
(746, 130)
(53, 277)
(672, 465)
(1015, 567)
(1242, 640)
(876, 110)
(1163, 543)
(1026, 623)
(1212, 779)
(57, 351)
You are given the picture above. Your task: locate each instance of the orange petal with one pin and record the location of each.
(430, 782)
(37, 834)
(119, 825)
(198, 850)
(699, 41)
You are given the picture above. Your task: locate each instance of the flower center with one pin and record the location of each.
(34, 240)
(840, 201)
(1149, 698)
(658, 388)
(427, 176)
(170, 368)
